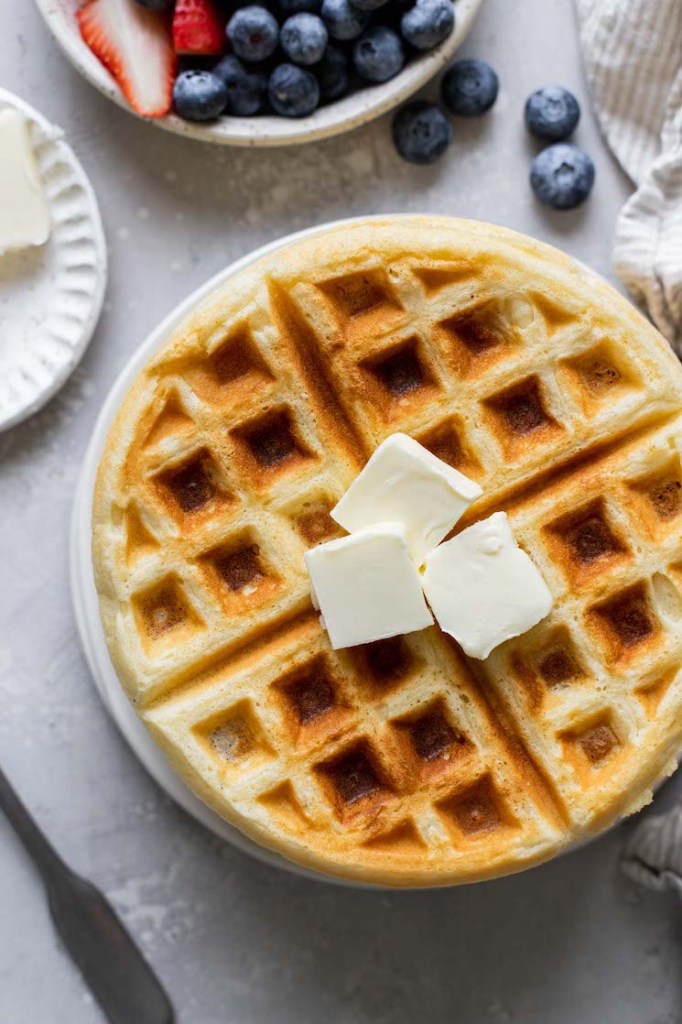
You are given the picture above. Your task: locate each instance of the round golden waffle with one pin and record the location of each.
(401, 762)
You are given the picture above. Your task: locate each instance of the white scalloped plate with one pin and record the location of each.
(50, 296)
(332, 119)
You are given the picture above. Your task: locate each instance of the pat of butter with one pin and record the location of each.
(24, 212)
(367, 587)
(483, 589)
(405, 483)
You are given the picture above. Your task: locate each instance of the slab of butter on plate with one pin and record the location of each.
(24, 210)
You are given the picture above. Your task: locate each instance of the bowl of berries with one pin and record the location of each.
(260, 73)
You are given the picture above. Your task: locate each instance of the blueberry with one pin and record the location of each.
(562, 176)
(378, 54)
(421, 132)
(428, 23)
(296, 6)
(303, 38)
(332, 74)
(253, 32)
(245, 87)
(199, 95)
(292, 91)
(368, 5)
(343, 20)
(470, 88)
(552, 113)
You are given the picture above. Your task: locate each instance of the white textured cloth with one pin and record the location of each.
(653, 856)
(633, 60)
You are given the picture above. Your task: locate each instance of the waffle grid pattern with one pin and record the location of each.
(587, 683)
(402, 761)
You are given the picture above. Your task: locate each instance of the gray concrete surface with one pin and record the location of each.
(233, 940)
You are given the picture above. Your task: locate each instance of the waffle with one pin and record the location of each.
(401, 762)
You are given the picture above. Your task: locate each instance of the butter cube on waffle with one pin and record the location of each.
(483, 589)
(366, 586)
(406, 483)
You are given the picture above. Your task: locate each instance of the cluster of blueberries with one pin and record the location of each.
(421, 130)
(562, 174)
(290, 56)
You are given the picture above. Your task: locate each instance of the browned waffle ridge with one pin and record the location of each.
(402, 762)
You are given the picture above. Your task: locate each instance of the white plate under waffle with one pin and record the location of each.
(50, 296)
(85, 596)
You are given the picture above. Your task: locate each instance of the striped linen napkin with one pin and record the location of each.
(633, 59)
(653, 854)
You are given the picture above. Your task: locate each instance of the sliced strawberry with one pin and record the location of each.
(198, 28)
(136, 46)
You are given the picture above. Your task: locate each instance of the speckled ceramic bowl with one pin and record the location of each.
(334, 119)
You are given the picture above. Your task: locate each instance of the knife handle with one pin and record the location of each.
(44, 855)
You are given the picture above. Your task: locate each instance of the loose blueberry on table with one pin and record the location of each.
(552, 113)
(206, 58)
(470, 88)
(421, 132)
(562, 176)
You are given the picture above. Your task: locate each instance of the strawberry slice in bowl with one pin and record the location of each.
(198, 28)
(136, 46)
